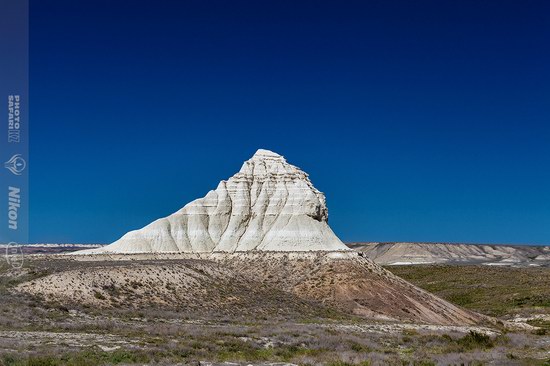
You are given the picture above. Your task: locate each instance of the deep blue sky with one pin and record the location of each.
(420, 120)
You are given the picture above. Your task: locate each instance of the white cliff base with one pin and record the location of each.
(269, 205)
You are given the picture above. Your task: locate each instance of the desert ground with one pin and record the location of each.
(192, 311)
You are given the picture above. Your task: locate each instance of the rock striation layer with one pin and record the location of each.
(269, 205)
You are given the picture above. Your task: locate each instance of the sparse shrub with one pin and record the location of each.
(8, 360)
(424, 363)
(42, 361)
(461, 298)
(63, 308)
(410, 332)
(474, 340)
(501, 339)
(357, 347)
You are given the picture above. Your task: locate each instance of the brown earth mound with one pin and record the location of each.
(269, 283)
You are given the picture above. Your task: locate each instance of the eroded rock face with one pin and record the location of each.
(268, 205)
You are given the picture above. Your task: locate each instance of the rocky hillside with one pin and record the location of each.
(260, 282)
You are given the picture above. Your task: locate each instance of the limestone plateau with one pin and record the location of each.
(269, 205)
(432, 253)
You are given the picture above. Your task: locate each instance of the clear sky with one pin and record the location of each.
(420, 120)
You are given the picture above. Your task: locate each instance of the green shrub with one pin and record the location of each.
(42, 361)
(357, 347)
(474, 340)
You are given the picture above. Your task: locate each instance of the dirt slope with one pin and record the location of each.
(352, 283)
(270, 283)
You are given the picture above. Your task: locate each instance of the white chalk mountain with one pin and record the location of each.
(269, 205)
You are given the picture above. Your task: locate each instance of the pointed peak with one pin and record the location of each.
(262, 153)
(265, 162)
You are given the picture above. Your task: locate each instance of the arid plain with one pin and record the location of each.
(188, 310)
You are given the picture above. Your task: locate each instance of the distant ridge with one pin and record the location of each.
(404, 253)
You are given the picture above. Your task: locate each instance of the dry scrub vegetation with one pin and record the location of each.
(266, 282)
(503, 292)
(238, 321)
